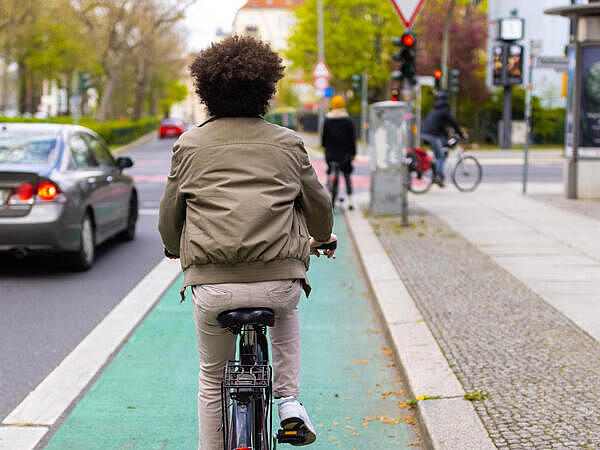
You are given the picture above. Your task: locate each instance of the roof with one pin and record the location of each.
(575, 11)
(272, 4)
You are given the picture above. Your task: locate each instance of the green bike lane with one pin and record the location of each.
(146, 397)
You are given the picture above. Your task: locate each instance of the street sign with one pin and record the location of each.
(321, 70)
(558, 63)
(328, 93)
(407, 10)
(321, 83)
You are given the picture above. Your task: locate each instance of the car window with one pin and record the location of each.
(81, 153)
(26, 148)
(100, 151)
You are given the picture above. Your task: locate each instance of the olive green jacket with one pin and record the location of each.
(241, 202)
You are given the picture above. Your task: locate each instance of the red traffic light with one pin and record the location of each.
(408, 40)
(437, 74)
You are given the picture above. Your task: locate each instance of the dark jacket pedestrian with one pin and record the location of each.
(339, 141)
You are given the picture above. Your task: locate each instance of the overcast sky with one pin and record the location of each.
(205, 16)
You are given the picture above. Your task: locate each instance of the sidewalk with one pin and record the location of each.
(509, 287)
(146, 397)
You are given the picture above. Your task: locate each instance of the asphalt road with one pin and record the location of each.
(46, 309)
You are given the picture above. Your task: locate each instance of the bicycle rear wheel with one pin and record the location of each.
(467, 174)
(420, 182)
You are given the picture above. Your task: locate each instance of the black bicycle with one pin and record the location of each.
(247, 386)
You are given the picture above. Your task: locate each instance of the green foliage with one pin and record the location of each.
(114, 132)
(358, 37)
(286, 95)
(176, 92)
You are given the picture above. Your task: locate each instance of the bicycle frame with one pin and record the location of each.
(246, 393)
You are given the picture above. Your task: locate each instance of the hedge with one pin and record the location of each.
(114, 132)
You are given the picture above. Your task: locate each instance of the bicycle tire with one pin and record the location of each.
(467, 169)
(420, 182)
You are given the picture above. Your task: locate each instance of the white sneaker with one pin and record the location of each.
(293, 416)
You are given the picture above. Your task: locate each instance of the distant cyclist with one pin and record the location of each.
(435, 132)
(240, 204)
(339, 141)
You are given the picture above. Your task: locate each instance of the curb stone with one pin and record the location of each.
(446, 419)
(139, 142)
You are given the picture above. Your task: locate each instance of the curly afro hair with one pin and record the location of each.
(237, 76)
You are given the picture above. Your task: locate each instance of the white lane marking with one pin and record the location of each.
(148, 212)
(20, 438)
(45, 404)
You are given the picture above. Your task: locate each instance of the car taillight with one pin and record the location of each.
(22, 195)
(47, 190)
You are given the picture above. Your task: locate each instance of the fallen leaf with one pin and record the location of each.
(350, 427)
(369, 392)
(390, 365)
(347, 398)
(336, 423)
(347, 418)
(353, 434)
(320, 425)
(386, 350)
(130, 407)
(403, 405)
(371, 419)
(378, 385)
(333, 438)
(361, 361)
(388, 393)
(368, 330)
(354, 375)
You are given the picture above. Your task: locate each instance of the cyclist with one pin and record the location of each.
(240, 203)
(339, 141)
(435, 132)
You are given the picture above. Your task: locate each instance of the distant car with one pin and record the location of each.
(61, 190)
(171, 128)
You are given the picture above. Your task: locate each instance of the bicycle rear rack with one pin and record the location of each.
(243, 382)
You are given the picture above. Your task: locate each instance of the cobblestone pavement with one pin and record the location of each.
(538, 373)
(589, 208)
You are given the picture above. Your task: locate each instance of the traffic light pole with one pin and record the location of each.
(410, 100)
(507, 118)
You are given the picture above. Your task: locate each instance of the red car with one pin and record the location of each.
(171, 128)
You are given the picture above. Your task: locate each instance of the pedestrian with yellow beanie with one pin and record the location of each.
(339, 141)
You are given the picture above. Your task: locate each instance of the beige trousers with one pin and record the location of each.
(217, 345)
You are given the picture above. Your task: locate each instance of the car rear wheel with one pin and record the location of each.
(84, 257)
(128, 234)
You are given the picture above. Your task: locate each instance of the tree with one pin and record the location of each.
(358, 37)
(177, 92)
(467, 49)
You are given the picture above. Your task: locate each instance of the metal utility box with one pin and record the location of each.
(388, 140)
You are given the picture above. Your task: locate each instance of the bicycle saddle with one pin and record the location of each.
(236, 318)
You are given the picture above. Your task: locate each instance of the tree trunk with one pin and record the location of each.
(5, 83)
(140, 90)
(106, 96)
(22, 88)
(154, 102)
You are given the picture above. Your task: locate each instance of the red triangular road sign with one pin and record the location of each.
(407, 10)
(321, 70)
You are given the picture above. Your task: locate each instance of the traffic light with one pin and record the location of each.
(453, 80)
(437, 77)
(356, 82)
(406, 56)
(84, 82)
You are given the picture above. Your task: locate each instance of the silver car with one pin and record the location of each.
(62, 190)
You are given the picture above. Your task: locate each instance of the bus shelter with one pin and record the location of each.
(582, 137)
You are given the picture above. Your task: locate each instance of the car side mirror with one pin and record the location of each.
(123, 162)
